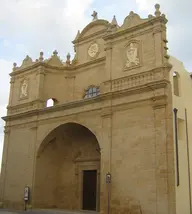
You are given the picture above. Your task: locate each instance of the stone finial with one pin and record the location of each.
(68, 61)
(94, 15)
(150, 16)
(157, 10)
(41, 56)
(114, 21)
(55, 53)
(14, 65)
(164, 16)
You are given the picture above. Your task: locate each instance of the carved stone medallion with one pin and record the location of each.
(24, 89)
(132, 55)
(93, 50)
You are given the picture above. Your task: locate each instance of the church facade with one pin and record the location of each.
(107, 142)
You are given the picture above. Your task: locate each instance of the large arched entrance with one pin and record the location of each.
(67, 170)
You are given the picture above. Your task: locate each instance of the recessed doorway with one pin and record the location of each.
(89, 190)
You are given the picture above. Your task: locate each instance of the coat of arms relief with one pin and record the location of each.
(132, 55)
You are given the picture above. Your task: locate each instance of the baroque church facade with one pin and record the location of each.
(107, 142)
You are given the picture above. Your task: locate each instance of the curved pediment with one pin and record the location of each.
(132, 19)
(95, 27)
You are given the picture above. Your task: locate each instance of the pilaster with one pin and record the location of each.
(4, 163)
(157, 34)
(40, 83)
(12, 81)
(105, 160)
(32, 158)
(164, 158)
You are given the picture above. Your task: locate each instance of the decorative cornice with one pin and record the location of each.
(12, 80)
(24, 107)
(43, 65)
(80, 103)
(86, 160)
(107, 112)
(6, 130)
(142, 26)
(160, 102)
(28, 68)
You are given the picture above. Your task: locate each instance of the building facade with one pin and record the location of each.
(107, 142)
(181, 81)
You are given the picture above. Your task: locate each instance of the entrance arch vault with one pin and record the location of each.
(67, 173)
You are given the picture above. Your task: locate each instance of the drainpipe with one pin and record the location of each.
(189, 175)
(176, 145)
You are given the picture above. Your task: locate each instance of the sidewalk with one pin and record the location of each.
(45, 211)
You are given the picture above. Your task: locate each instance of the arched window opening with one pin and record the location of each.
(51, 102)
(176, 88)
(92, 91)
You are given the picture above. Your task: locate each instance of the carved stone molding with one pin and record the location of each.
(24, 107)
(6, 130)
(106, 112)
(33, 127)
(136, 80)
(40, 71)
(159, 103)
(108, 46)
(12, 80)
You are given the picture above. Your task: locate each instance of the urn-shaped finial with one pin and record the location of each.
(157, 10)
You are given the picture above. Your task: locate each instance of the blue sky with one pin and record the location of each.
(29, 26)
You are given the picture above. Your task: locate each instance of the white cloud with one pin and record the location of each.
(145, 4)
(43, 24)
(29, 26)
(5, 67)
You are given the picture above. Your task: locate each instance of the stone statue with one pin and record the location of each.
(24, 88)
(132, 55)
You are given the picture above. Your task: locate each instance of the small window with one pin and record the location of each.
(91, 92)
(51, 102)
(176, 84)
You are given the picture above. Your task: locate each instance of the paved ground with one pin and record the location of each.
(4, 211)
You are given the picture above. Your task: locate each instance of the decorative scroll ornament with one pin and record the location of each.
(24, 89)
(132, 58)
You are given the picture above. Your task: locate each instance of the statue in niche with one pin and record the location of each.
(132, 56)
(24, 89)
